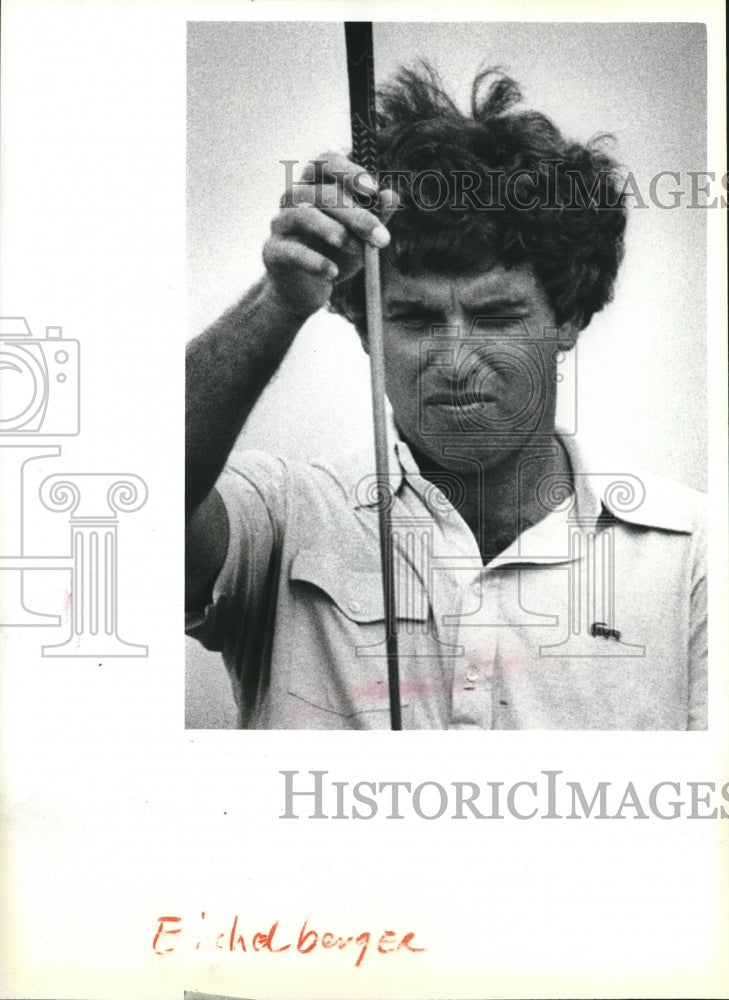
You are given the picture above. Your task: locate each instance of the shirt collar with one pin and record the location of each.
(601, 485)
(400, 463)
(604, 484)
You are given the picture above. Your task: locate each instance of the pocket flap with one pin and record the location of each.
(358, 592)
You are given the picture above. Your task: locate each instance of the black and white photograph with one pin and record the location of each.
(528, 550)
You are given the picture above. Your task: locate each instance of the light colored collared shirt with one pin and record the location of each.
(594, 618)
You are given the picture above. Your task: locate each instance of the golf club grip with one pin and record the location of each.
(361, 76)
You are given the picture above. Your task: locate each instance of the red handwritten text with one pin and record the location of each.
(309, 939)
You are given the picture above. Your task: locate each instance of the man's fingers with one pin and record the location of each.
(332, 209)
(337, 168)
(283, 254)
(332, 201)
(356, 222)
(306, 221)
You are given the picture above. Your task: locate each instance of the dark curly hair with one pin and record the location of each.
(571, 233)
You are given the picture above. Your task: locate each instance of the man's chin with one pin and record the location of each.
(466, 457)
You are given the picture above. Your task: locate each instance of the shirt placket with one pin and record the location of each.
(473, 680)
(465, 592)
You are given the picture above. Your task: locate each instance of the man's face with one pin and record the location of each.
(470, 363)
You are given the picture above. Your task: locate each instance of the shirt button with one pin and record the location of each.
(354, 606)
(472, 674)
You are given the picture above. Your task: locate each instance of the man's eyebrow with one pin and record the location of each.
(502, 303)
(412, 304)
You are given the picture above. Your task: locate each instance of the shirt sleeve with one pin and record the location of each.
(253, 488)
(698, 632)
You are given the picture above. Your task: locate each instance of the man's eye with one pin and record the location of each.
(498, 324)
(415, 324)
(496, 321)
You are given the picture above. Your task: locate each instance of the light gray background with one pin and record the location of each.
(263, 92)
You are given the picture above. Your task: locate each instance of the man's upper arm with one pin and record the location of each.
(206, 545)
(232, 541)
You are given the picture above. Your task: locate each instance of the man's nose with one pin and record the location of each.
(457, 322)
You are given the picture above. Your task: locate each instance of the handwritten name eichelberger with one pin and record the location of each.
(173, 932)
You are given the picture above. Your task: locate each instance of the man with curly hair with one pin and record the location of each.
(536, 587)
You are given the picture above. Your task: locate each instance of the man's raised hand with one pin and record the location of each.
(318, 235)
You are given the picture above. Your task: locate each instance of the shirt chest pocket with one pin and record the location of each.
(338, 651)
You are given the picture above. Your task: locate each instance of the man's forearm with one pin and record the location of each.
(227, 368)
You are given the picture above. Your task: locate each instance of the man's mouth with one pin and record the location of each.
(462, 400)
